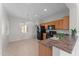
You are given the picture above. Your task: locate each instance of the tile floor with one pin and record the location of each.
(26, 47)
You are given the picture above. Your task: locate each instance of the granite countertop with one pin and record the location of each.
(67, 44)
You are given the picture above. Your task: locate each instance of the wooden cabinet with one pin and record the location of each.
(66, 22)
(56, 24)
(60, 24)
(44, 51)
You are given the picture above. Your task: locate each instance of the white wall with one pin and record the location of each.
(73, 15)
(3, 30)
(15, 29)
(76, 48)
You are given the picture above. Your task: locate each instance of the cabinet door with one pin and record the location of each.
(66, 22)
(51, 23)
(61, 24)
(44, 51)
(56, 24)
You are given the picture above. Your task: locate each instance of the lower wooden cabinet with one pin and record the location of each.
(44, 51)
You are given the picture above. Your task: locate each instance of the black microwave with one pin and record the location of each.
(51, 27)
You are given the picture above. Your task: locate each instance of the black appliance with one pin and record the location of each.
(43, 30)
(51, 31)
(51, 27)
(40, 31)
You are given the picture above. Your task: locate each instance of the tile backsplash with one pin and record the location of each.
(63, 31)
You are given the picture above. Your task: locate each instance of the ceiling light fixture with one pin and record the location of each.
(44, 9)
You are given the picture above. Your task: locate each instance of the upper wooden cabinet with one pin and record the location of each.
(59, 24)
(62, 23)
(66, 22)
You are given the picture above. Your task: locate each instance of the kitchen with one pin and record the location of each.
(56, 34)
(53, 23)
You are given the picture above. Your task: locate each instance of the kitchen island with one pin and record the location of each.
(66, 44)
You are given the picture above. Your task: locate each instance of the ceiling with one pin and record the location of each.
(33, 10)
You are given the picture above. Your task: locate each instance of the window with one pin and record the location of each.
(23, 28)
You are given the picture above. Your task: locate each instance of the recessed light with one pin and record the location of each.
(44, 9)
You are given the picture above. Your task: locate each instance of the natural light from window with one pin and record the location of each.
(23, 27)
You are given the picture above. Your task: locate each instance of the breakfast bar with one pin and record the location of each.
(66, 44)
